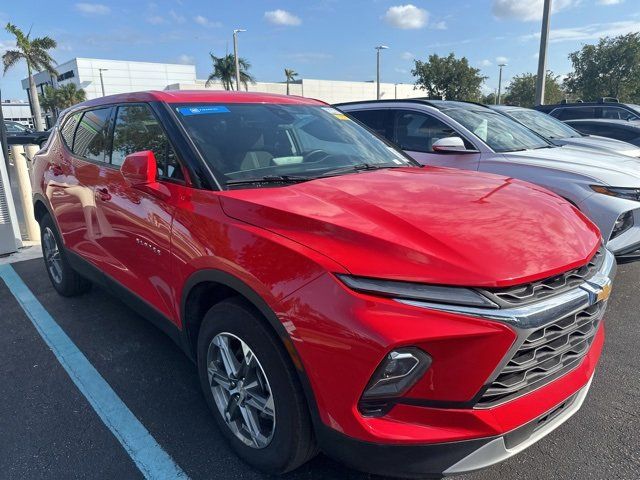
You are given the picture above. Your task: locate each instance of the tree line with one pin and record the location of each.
(610, 68)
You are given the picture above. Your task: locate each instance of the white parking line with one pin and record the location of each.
(147, 454)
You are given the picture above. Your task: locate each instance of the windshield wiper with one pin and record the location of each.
(269, 179)
(359, 167)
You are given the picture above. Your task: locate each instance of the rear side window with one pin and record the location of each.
(137, 129)
(576, 113)
(90, 140)
(380, 121)
(617, 113)
(69, 128)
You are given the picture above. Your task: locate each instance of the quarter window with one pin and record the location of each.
(90, 140)
(617, 113)
(137, 129)
(69, 128)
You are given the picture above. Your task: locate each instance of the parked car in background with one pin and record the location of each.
(19, 134)
(606, 187)
(623, 130)
(281, 245)
(608, 109)
(560, 133)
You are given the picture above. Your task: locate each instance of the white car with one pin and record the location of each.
(560, 133)
(604, 186)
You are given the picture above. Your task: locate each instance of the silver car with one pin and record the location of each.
(604, 186)
(560, 133)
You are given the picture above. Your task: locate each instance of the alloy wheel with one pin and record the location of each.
(241, 390)
(52, 255)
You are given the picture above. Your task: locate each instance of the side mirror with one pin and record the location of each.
(140, 168)
(449, 145)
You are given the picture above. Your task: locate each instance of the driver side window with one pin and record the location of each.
(417, 132)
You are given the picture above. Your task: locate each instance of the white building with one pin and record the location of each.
(17, 112)
(330, 91)
(119, 76)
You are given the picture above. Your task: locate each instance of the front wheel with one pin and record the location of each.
(64, 278)
(252, 389)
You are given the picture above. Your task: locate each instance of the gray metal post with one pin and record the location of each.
(378, 48)
(497, 99)
(542, 59)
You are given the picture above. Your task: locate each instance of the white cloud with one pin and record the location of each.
(282, 17)
(501, 60)
(593, 31)
(406, 17)
(401, 70)
(485, 63)
(185, 59)
(610, 2)
(407, 56)
(7, 45)
(178, 18)
(92, 8)
(527, 10)
(442, 25)
(155, 20)
(205, 22)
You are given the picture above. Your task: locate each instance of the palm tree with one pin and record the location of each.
(290, 74)
(34, 53)
(69, 94)
(224, 69)
(65, 96)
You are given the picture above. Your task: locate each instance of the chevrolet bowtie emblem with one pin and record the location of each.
(605, 292)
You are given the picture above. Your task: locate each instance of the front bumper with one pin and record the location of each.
(452, 458)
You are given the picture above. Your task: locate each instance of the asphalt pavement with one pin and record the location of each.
(48, 429)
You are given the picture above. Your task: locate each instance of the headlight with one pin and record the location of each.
(623, 223)
(417, 291)
(621, 192)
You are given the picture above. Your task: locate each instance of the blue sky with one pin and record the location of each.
(326, 39)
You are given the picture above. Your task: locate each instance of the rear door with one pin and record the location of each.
(138, 237)
(415, 132)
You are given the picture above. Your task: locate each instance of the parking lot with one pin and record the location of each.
(49, 429)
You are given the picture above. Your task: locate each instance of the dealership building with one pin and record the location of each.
(99, 76)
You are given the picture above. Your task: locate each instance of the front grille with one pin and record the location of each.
(546, 353)
(534, 292)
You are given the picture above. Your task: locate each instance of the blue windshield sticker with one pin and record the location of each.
(203, 110)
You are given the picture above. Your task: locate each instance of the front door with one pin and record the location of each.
(415, 132)
(140, 218)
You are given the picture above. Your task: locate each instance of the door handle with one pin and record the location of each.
(103, 194)
(56, 170)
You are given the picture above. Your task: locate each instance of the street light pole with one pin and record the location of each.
(542, 59)
(101, 79)
(378, 48)
(502, 65)
(235, 55)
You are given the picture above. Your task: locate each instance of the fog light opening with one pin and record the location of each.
(395, 375)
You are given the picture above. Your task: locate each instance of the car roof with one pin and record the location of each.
(586, 104)
(439, 104)
(506, 108)
(200, 96)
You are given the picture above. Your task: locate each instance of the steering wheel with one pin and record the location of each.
(314, 153)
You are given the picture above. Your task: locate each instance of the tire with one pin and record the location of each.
(292, 441)
(64, 278)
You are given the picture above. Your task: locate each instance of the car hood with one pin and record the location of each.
(432, 225)
(605, 167)
(602, 143)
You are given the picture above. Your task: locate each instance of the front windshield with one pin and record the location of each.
(544, 124)
(253, 141)
(499, 132)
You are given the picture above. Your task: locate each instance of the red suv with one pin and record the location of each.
(334, 294)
